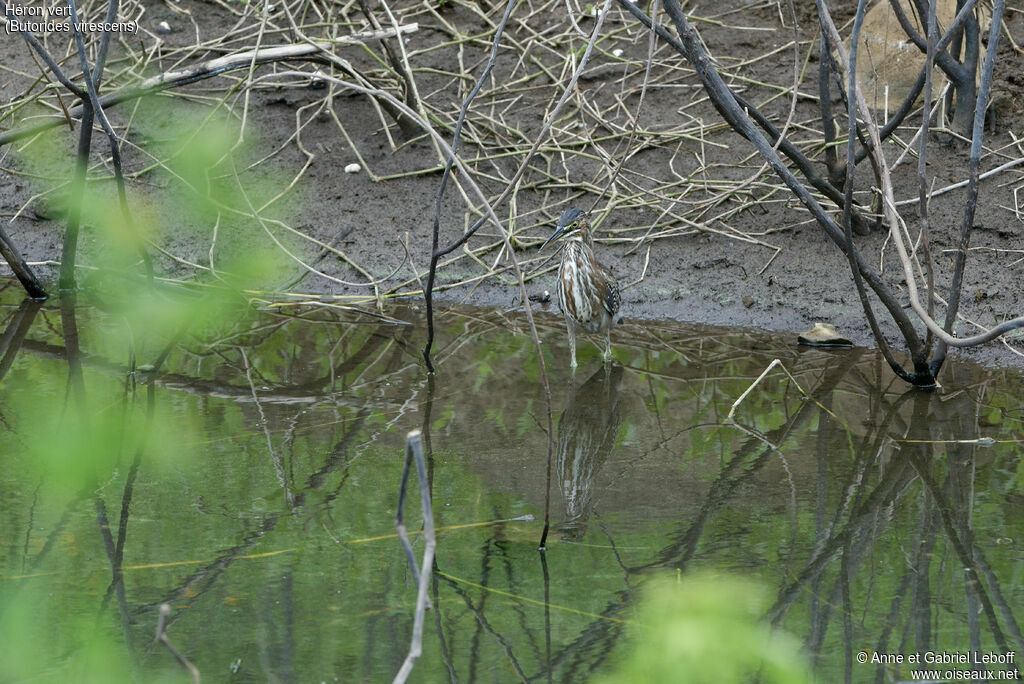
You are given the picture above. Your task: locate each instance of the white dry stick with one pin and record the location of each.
(161, 636)
(963, 184)
(414, 451)
(773, 364)
(730, 419)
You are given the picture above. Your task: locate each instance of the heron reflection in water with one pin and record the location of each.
(586, 436)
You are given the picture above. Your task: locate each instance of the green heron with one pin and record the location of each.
(587, 293)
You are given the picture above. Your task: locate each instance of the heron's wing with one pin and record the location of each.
(611, 299)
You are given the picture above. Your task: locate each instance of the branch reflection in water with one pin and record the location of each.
(262, 499)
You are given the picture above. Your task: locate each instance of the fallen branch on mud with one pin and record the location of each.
(652, 179)
(21, 269)
(894, 221)
(730, 108)
(725, 102)
(208, 69)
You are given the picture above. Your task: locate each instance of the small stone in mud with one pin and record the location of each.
(353, 168)
(748, 301)
(46, 209)
(163, 28)
(823, 335)
(543, 297)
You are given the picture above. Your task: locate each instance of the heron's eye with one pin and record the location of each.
(575, 225)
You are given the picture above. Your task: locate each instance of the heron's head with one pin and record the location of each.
(571, 222)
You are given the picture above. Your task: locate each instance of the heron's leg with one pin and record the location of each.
(572, 343)
(607, 346)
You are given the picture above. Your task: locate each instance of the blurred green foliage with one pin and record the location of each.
(707, 629)
(42, 642)
(80, 427)
(194, 188)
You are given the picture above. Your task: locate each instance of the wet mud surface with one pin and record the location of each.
(711, 271)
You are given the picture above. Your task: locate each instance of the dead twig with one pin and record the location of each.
(92, 83)
(414, 451)
(894, 221)
(21, 269)
(204, 70)
(161, 636)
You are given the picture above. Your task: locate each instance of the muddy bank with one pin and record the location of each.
(691, 208)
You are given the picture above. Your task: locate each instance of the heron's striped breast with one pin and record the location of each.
(577, 295)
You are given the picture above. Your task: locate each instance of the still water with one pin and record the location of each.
(245, 471)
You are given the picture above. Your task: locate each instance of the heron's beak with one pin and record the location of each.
(554, 236)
